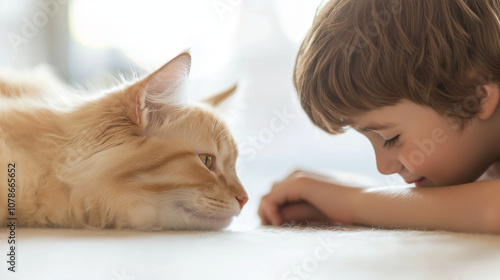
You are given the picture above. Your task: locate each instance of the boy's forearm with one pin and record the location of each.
(473, 207)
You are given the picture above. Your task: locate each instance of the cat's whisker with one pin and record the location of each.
(224, 137)
(176, 198)
(219, 123)
(214, 123)
(218, 137)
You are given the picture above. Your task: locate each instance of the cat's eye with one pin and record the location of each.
(208, 160)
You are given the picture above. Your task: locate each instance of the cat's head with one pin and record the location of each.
(142, 157)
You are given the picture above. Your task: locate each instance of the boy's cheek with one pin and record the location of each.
(424, 155)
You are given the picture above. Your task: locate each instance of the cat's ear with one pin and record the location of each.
(163, 87)
(217, 99)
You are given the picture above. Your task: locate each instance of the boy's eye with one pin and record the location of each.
(207, 160)
(391, 142)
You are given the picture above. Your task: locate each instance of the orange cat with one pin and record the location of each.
(136, 157)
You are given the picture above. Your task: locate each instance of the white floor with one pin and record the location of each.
(262, 253)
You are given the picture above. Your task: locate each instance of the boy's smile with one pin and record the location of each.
(427, 149)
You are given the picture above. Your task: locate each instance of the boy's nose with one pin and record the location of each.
(388, 166)
(242, 200)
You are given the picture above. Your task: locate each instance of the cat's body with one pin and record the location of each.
(137, 157)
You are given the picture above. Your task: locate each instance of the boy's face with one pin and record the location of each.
(425, 147)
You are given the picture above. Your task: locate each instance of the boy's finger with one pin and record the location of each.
(268, 213)
(273, 215)
(263, 218)
(265, 221)
(262, 214)
(302, 212)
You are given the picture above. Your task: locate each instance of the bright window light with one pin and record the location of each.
(149, 31)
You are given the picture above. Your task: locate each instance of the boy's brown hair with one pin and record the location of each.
(361, 55)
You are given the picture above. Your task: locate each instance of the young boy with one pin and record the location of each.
(420, 79)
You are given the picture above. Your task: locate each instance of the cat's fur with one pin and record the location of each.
(124, 159)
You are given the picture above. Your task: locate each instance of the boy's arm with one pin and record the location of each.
(473, 207)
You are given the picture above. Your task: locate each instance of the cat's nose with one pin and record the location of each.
(242, 200)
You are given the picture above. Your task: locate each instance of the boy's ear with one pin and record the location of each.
(489, 96)
(217, 99)
(163, 87)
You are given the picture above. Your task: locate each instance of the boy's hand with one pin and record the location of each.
(293, 199)
(285, 199)
(471, 207)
